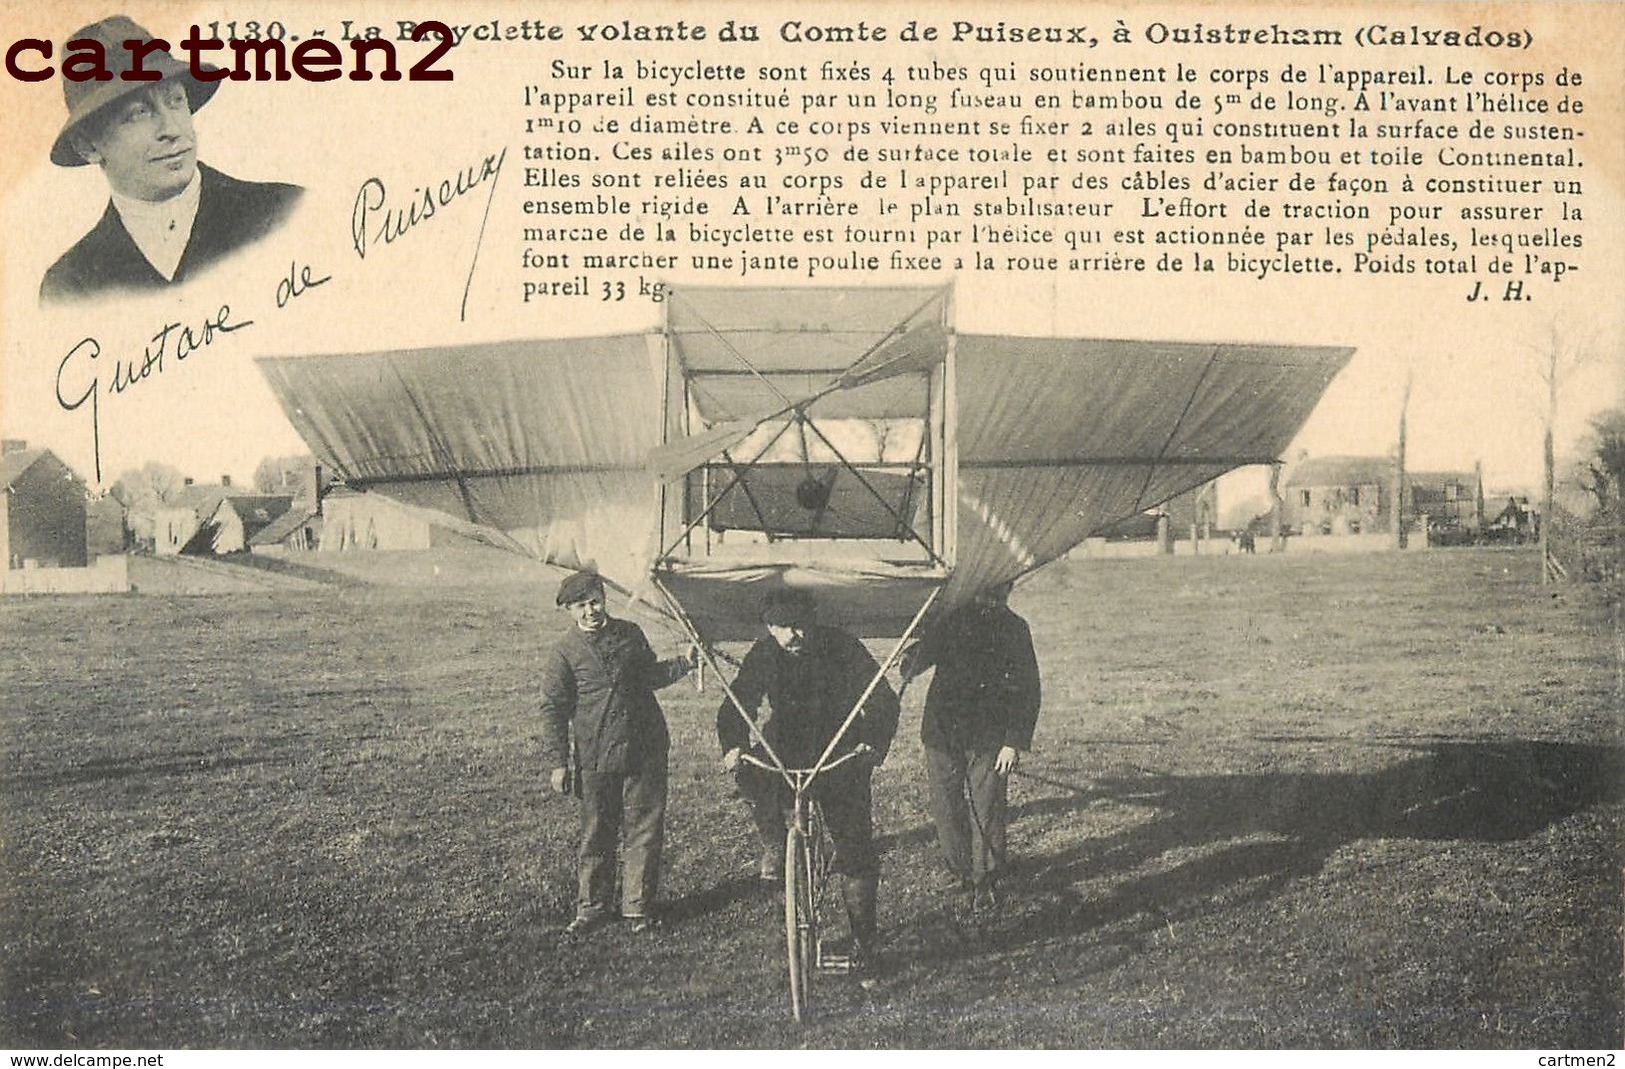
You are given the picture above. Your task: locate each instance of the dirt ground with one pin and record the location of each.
(1275, 802)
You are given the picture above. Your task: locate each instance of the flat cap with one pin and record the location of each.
(579, 586)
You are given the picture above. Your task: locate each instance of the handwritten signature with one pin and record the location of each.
(374, 220)
(78, 377)
(174, 339)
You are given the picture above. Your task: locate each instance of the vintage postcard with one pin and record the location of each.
(470, 469)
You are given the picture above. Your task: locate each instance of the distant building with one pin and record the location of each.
(107, 530)
(1355, 495)
(353, 520)
(298, 529)
(193, 521)
(236, 520)
(42, 510)
(1338, 495)
(1516, 521)
(177, 520)
(1448, 498)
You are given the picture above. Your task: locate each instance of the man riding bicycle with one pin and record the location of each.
(812, 677)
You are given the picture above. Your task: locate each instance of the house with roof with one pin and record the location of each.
(1353, 495)
(176, 521)
(42, 510)
(235, 520)
(354, 520)
(1338, 495)
(205, 518)
(1448, 498)
(297, 530)
(1510, 517)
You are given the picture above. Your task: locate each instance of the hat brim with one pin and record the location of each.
(198, 93)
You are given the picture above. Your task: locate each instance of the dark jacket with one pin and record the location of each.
(601, 684)
(809, 697)
(231, 214)
(985, 693)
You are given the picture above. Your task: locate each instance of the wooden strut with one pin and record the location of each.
(683, 618)
(867, 485)
(797, 410)
(738, 478)
(885, 666)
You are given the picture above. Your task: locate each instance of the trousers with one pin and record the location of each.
(843, 795)
(968, 806)
(624, 813)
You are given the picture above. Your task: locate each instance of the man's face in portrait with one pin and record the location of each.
(145, 143)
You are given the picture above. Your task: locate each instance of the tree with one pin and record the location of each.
(1401, 484)
(294, 475)
(1558, 359)
(143, 491)
(1602, 464)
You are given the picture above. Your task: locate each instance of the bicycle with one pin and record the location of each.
(808, 856)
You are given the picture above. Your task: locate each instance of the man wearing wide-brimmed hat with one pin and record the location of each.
(169, 216)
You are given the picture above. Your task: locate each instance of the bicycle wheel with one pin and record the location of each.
(820, 859)
(800, 924)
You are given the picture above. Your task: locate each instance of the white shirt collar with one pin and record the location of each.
(162, 228)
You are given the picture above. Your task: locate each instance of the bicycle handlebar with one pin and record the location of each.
(750, 758)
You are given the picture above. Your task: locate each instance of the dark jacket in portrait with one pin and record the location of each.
(986, 691)
(231, 214)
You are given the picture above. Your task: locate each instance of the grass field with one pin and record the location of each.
(1296, 801)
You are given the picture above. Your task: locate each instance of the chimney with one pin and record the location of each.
(12, 445)
(225, 480)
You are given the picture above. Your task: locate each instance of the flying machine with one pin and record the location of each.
(846, 441)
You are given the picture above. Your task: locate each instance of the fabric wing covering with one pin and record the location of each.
(554, 446)
(1058, 438)
(540, 443)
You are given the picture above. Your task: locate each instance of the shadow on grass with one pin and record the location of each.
(1222, 841)
(185, 763)
(293, 569)
(712, 899)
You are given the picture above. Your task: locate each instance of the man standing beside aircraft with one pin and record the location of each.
(598, 686)
(979, 717)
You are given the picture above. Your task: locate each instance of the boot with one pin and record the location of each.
(858, 892)
(770, 870)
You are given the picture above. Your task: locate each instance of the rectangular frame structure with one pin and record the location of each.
(835, 375)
